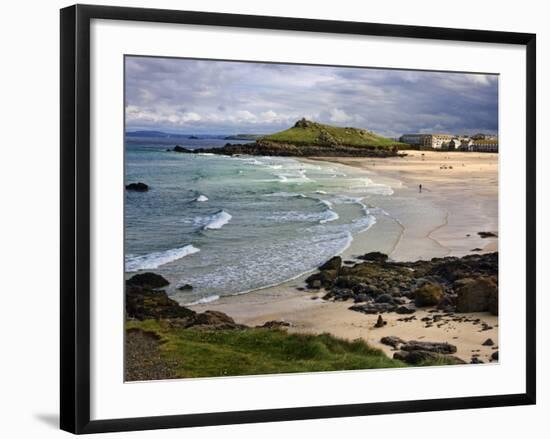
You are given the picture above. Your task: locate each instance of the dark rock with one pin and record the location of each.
(275, 324)
(380, 322)
(373, 308)
(488, 342)
(342, 294)
(428, 294)
(215, 319)
(476, 294)
(361, 297)
(392, 340)
(441, 348)
(477, 249)
(144, 303)
(332, 264)
(487, 234)
(137, 187)
(178, 148)
(494, 356)
(475, 360)
(415, 357)
(374, 256)
(150, 280)
(405, 309)
(384, 298)
(185, 287)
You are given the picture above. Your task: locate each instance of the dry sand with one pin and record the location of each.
(443, 220)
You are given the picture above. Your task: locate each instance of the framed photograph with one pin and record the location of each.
(268, 219)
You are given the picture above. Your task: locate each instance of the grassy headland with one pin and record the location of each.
(312, 139)
(305, 132)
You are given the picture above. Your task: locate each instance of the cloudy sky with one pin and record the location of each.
(218, 97)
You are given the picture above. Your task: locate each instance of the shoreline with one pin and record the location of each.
(435, 223)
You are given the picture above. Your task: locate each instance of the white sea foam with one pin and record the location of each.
(290, 216)
(207, 299)
(206, 153)
(286, 195)
(202, 198)
(156, 259)
(330, 215)
(326, 203)
(215, 221)
(321, 192)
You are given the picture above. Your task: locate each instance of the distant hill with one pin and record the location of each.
(311, 139)
(148, 134)
(243, 137)
(308, 133)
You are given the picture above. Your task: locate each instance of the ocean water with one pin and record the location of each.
(229, 225)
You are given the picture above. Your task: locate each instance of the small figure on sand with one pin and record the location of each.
(419, 188)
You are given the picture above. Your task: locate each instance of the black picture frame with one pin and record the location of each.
(75, 217)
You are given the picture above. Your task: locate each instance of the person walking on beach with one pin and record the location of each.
(420, 188)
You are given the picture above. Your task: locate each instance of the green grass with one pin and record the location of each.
(212, 353)
(312, 133)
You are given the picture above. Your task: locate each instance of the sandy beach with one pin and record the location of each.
(459, 198)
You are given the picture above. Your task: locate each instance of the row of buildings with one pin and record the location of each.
(448, 142)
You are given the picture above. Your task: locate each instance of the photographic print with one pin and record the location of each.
(286, 218)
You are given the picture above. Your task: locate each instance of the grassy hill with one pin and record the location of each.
(309, 133)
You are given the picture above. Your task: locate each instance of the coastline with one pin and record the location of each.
(459, 199)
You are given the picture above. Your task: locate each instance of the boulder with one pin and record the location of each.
(487, 234)
(374, 256)
(274, 324)
(384, 298)
(137, 187)
(405, 309)
(186, 287)
(488, 342)
(416, 357)
(332, 264)
(392, 340)
(216, 319)
(150, 280)
(428, 294)
(144, 303)
(380, 322)
(494, 356)
(476, 294)
(373, 308)
(440, 348)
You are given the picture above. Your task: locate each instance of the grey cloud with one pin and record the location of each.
(193, 96)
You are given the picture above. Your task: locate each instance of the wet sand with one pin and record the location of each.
(443, 220)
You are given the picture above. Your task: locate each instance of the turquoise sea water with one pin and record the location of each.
(228, 225)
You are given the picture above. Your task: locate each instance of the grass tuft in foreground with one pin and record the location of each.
(203, 352)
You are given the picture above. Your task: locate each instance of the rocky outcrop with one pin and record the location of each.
(267, 148)
(212, 320)
(149, 280)
(476, 295)
(415, 352)
(137, 187)
(178, 148)
(429, 294)
(374, 256)
(144, 303)
(378, 285)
